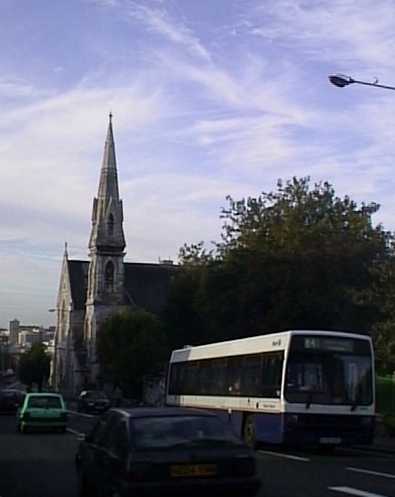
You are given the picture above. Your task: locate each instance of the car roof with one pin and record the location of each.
(151, 412)
(92, 391)
(43, 394)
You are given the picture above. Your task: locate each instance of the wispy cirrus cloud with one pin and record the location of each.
(209, 99)
(17, 88)
(344, 31)
(159, 21)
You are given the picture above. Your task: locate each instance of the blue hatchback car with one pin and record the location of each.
(165, 452)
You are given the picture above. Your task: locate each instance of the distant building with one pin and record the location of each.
(27, 338)
(91, 291)
(14, 331)
(48, 334)
(21, 337)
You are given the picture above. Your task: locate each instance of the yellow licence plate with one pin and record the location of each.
(187, 470)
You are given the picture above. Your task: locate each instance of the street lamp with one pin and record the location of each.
(341, 80)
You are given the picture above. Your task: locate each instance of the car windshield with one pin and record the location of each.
(44, 402)
(161, 432)
(325, 376)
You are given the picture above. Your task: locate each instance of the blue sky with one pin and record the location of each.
(210, 98)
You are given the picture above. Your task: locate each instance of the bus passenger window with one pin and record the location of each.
(234, 375)
(272, 367)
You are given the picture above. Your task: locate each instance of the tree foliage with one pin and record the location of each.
(131, 345)
(34, 366)
(296, 258)
(381, 294)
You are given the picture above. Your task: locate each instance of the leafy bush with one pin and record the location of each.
(385, 395)
(389, 423)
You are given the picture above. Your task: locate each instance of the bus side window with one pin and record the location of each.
(175, 379)
(252, 374)
(234, 375)
(218, 376)
(206, 379)
(193, 377)
(272, 366)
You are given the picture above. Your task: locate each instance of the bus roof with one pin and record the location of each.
(254, 344)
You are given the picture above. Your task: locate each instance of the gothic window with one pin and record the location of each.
(109, 275)
(110, 224)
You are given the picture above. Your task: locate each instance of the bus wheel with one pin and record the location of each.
(249, 432)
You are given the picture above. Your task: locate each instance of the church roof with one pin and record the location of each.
(146, 285)
(78, 271)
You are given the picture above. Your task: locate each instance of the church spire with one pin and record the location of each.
(108, 186)
(107, 215)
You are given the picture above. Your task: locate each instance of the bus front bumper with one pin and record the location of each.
(328, 430)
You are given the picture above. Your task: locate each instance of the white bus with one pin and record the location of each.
(294, 387)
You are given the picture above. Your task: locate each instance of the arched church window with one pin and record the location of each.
(110, 224)
(109, 275)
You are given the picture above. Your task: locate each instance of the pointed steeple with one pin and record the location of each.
(107, 214)
(108, 186)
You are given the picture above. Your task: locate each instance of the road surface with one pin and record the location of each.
(41, 465)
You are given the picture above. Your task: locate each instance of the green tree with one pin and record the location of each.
(34, 366)
(381, 294)
(298, 257)
(131, 345)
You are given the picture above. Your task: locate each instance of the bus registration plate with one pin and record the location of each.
(188, 470)
(330, 440)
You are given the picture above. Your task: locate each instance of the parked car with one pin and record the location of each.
(93, 401)
(164, 452)
(42, 411)
(10, 400)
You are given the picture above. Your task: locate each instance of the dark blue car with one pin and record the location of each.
(164, 452)
(10, 400)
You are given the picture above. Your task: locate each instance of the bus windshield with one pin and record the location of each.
(329, 371)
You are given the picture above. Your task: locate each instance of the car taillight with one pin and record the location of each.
(244, 467)
(139, 471)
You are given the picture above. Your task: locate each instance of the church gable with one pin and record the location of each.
(65, 299)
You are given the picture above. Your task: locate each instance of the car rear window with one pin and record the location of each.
(7, 393)
(44, 402)
(97, 395)
(169, 431)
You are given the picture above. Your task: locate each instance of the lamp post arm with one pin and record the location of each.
(373, 84)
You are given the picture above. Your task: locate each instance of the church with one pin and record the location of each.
(92, 290)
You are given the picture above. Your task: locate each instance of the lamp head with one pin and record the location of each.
(340, 80)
